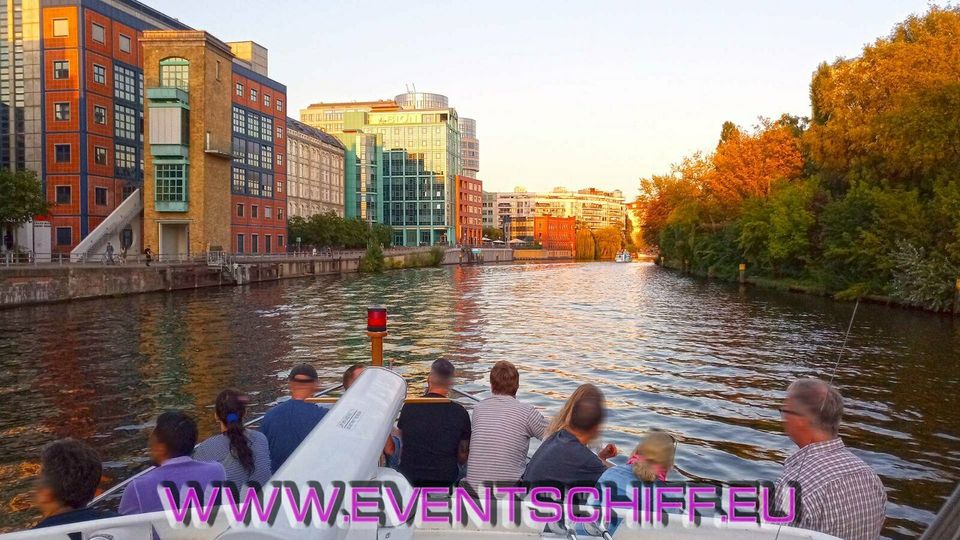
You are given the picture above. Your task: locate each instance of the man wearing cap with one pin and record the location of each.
(288, 424)
(435, 436)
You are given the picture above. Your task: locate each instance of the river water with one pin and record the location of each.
(705, 360)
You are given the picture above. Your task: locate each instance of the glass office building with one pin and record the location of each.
(412, 188)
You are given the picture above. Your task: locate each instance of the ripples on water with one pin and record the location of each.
(707, 361)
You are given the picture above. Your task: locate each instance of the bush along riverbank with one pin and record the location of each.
(802, 286)
(859, 200)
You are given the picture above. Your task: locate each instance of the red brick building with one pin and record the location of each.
(82, 132)
(469, 204)
(555, 233)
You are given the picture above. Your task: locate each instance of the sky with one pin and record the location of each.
(576, 94)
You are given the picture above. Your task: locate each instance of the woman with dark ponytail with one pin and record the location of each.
(244, 453)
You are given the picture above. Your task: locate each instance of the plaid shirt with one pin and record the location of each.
(838, 493)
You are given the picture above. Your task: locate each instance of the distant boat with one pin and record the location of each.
(623, 256)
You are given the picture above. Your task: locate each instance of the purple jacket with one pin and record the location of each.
(141, 495)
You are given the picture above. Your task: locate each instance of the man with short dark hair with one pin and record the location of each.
(69, 475)
(171, 445)
(289, 423)
(838, 493)
(501, 431)
(563, 460)
(435, 436)
(351, 375)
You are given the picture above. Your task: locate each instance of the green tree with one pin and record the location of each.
(372, 261)
(493, 233)
(21, 197)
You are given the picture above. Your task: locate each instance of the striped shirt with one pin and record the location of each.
(217, 448)
(838, 493)
(500, 439)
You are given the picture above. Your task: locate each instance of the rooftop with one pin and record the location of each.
(297, 125)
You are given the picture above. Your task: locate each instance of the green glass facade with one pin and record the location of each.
(401, 168)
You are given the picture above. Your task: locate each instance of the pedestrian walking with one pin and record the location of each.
(148, 254)
(109, 253)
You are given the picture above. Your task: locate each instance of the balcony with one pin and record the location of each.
(168, 94)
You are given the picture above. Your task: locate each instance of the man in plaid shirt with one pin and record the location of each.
(836, 492)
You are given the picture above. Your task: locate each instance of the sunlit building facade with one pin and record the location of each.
(402, 160)
(469, 198)
(216, 136)
(591, 208)
(314, 171)
(489, 209)
(71, 104)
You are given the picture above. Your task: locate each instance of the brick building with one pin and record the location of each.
(555, 233)
(469, 207)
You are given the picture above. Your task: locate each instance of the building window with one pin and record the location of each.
(267, 129)
(64, 236)
(266, 243)
(61, 111)
(279, 132)
(279, 159)
(61, 28)
(253, 95)
(100, 155)
(99, 74)
(280, 105)
(171, 183)
(266, 100)
(63, 194)
(279, 240)
(280, 213)
(124, 43)
(100, 195)
(240, 89)
(175, 73)
(253, 211)
(254, 243)
(125, 84)
(61, 69)
(253, 125)
(61, 153)
(267, 212)
(98, 33)
(239, 180)
(218, 70)
(239, 209)
(99, 115)
(124, 122)
(239, 121)
(239, 243)
(124, 161)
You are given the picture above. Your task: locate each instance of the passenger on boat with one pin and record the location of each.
(69, 474)
(436, 437)
(502, 429)
(564, 460)
(838, 493)
(244, 453)
(288, 424)
(391, 450)
(650, 462)
(171, 445)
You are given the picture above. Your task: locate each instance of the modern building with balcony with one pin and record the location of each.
(591, 208)
(214, 168)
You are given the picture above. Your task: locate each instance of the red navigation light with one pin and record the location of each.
(376, 319)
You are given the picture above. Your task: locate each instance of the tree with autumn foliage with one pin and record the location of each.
(862, 198)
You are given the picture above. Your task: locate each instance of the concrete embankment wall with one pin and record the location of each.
(45, 284)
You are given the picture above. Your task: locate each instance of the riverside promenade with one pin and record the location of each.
(61, 281)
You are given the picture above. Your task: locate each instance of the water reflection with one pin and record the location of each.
(707, 361)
